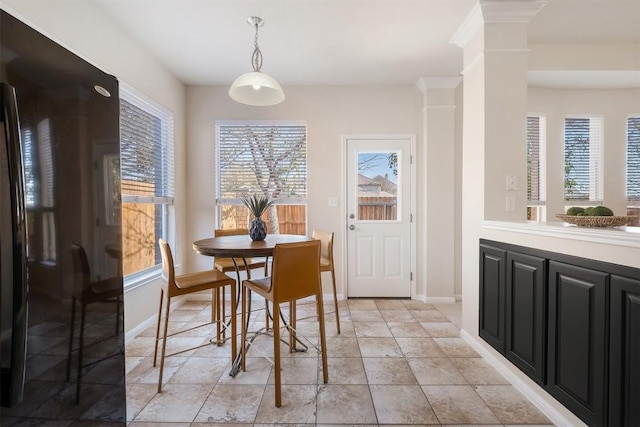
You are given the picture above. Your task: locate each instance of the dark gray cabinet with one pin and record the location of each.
(577, 341)
(571, 324)
(526, 314)
(624, 354)
(492, 296)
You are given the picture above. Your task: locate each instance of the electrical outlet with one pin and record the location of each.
(332, 201)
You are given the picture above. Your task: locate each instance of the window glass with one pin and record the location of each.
(633, 160)
(536, 144)
(583, 159)
(262, 158)
(146, 161)
(378, 186)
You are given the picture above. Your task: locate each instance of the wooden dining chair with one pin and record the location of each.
(295, 275)
(326, 264)
(174, 286)
(228, 265)
(87, 291)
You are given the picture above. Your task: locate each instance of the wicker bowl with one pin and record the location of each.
(596, 221)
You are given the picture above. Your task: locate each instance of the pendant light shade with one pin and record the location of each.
(256, 88)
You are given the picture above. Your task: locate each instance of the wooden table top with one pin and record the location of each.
(241, 246)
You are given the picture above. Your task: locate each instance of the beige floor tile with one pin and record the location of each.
(510, 406)
(297, 371)
(232, 403)
(390, 304)
(401, 404)
(428, 315)
(458, 404)
(435, 371)
(417, 305)
(298, 405)
(140, 346)
(398, 315)
(201, 370)
(407, 329)
(258, 371)
(345, 404)
(379, 347)
(419, 347)
(478, 371)
(176, 403)
(146, 373)
(346, 328)
(366, 316)
(455, 347)
(372, 329)
(441, 329)
(156, 424)
(138, 395)
(182, 315)
(343, 347)
(362, 304)
(388, 370)
(344, 370)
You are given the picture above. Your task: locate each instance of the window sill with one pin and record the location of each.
(136, 280)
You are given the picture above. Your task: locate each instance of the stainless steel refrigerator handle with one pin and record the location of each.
(13, 380)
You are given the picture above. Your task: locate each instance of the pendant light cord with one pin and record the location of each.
(256, 58)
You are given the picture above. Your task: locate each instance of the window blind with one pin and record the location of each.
(583, 159)
(536, 142)
(633, 160)
(146, 151)
(268, 159)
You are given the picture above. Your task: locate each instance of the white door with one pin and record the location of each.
(379, 216)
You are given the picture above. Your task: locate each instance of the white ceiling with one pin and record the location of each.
(340, 42)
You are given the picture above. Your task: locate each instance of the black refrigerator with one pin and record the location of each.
(61, 338)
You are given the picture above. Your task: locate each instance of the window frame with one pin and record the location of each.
(538, 204)
(596, 160)
(237, 201)
(165, 202)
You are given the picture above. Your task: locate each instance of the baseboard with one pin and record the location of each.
(151, 321)
(533, 395)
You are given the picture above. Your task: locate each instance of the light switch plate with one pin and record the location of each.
(332, 201)
(510, 204)
(512, 183)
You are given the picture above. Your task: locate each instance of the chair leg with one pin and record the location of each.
(276, 353)
(323, 339)
(155, 350)
(215, 314)
(245, 325)
(73, 322)
(164, 343)
(293, 326)
(335, 300)
(80, 352)
(234, 326)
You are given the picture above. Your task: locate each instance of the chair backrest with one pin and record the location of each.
(296, 270)
(219, 232)
(326, 238)
(168, 270)
(81, 269)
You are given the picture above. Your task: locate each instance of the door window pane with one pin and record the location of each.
(378, 186)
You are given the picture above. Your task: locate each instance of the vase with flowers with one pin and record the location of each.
(257, 205)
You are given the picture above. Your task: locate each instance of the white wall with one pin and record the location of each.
(614, 106)
(84, 30)
(330, 112)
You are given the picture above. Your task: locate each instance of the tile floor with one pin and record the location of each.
(396, 362)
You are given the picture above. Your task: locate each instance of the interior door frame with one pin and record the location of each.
(413, 192)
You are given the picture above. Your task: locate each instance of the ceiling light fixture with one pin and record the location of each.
(256, 88)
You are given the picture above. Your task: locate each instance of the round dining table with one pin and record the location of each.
(241, 246)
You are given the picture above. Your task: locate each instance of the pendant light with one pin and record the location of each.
(256, 88)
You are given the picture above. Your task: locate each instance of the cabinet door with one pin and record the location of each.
(624, 359)
(492, 296)
(526, 314)
(577, 345)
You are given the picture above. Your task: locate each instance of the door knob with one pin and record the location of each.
(352, 227)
